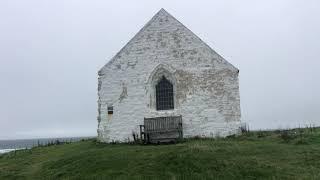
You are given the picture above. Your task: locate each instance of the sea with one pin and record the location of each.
(11, 145)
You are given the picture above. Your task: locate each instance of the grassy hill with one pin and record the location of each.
(293, 154)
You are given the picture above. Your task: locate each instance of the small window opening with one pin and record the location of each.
(164, 95)
(110, 110)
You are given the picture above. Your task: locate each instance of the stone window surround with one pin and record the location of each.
(155, 76)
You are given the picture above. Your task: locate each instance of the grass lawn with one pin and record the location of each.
(255, 155)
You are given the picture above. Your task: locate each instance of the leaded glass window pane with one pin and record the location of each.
(164, 95)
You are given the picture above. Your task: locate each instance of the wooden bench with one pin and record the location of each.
(161, 129)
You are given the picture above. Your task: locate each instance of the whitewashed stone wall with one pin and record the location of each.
(206, 86)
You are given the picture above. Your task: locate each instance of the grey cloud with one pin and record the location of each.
(50, 53)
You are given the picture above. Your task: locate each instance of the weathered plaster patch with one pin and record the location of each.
(124, 93)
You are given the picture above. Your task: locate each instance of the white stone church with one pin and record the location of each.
(167, 74)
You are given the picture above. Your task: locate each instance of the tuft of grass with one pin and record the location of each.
(252, 155)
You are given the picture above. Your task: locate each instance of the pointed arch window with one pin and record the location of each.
(164, 95)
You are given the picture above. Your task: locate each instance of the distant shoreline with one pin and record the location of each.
(10, 145)
(2, 151)
(47, 138)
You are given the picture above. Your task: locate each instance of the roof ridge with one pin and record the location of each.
(162, 11)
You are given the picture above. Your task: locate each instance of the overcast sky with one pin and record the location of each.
(50, 52)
